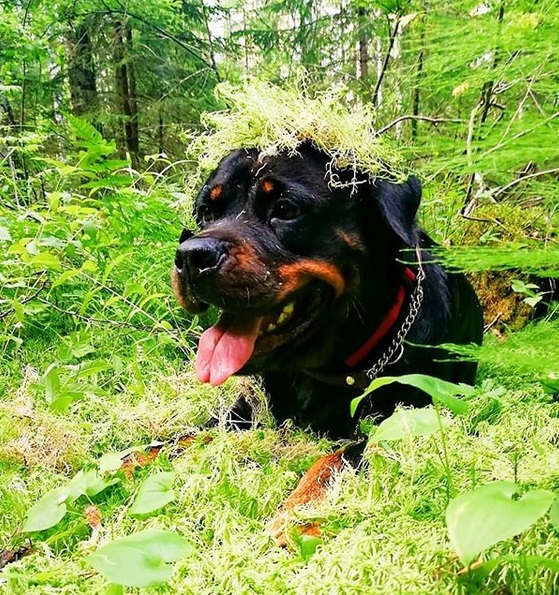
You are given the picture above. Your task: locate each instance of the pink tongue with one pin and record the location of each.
(224, 350)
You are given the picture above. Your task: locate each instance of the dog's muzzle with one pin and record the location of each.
(200, 255)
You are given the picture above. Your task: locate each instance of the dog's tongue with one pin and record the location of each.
(225, 348)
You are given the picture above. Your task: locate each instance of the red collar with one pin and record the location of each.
(382, 330)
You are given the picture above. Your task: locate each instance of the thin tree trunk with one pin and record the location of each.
(161, 135)
(363, 47)
(126, 91)
(134, 145)
(384, 67)
(81, 71)
(484, 104)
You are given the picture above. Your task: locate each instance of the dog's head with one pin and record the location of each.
(288, 256)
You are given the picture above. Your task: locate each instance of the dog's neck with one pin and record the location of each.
(385, 327)
(384, 343)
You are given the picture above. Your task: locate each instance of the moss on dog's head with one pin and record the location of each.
(272, 119)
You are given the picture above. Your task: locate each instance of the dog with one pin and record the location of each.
(324, 281)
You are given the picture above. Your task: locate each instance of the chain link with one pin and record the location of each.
(396, 349)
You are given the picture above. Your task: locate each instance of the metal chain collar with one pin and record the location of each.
(395, 350)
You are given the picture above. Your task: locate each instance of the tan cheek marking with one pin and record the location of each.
(186, 301)
(298, 274)
(216, 192)
(176, 286)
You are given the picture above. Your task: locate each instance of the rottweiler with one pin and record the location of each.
(324, 281)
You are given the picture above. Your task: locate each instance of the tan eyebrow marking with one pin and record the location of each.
(267, 186)
(216, 192)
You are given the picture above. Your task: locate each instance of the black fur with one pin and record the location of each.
(361, 233)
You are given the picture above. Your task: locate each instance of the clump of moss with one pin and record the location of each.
(262, 116)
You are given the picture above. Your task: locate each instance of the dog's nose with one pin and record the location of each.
(200, 254)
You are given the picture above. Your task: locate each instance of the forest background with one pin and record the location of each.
(100, 101)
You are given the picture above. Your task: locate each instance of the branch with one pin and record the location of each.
(522, 178)
(111, 11)
(385, 62)
(411, 117)
(41, 284)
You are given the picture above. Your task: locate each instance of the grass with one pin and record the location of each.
(383, 527)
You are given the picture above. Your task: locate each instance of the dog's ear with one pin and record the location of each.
(398, 205)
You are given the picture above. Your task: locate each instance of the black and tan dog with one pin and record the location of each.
(307, 265)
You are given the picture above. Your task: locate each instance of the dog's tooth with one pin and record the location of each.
(288, 308)
(271, 327)
(282, 318)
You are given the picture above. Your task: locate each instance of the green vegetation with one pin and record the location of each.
(103, 455)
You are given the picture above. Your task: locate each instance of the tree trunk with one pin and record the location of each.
(363, 48)
(81, 71)
(418, 77)
(126, 90)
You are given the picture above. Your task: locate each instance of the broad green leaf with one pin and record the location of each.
(481, 518)
(52, 386)
(142, 559)
(528, 563)
(133, 288)
(554, 514)
(114, 262)
(47, 512)
(46, 260)
(88, 483)
(154, 493)
(441, 391)
(91, 367)
(65, 398)
(550, 385)
(408, 422)
(307, 544)
(65, 276)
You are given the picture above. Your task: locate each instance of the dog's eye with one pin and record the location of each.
(206, 214)
(285, 210)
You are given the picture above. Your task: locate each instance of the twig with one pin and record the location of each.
(384, 67)
(118, 323)
(411, 117)
(43, 284)
(522, 178)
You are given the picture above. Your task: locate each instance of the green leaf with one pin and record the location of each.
(550, 385)
(91, 367)
(65, 276)
(481, 518)
(65, 398)
(554, 514)
(307, 544)
(440, 391)
(47, 512)
(154, 493)
(142, 559)
(133, 288)
(52, 386)
(408, 422)
(46, 260)
(88, 483)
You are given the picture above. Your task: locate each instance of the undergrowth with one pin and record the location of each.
(96, 360)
